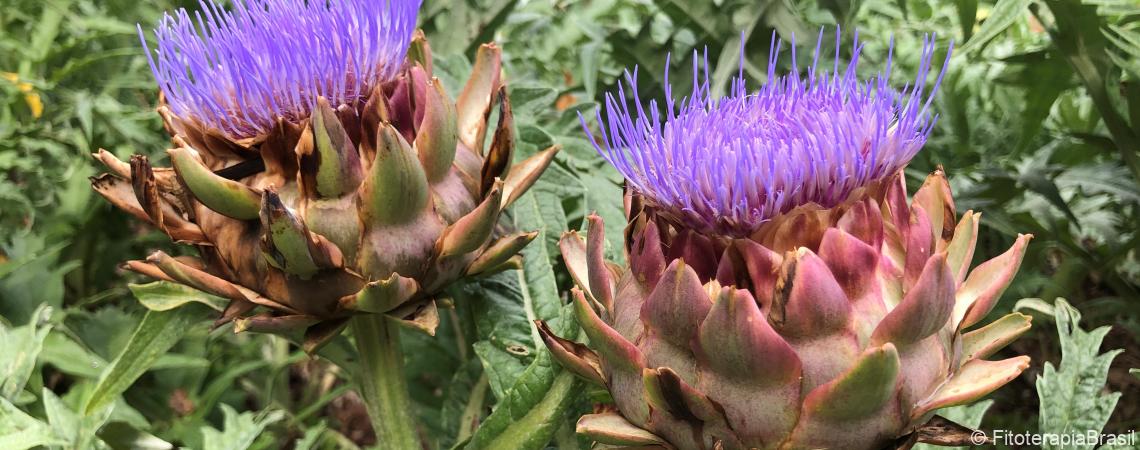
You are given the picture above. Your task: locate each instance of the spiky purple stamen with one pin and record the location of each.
(728, 165)
(241, 70)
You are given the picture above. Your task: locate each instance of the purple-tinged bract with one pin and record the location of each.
(727, 165)
(241, 70)
(781, 289)
(320, 169)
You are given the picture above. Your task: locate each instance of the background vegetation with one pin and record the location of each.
(1039, 128)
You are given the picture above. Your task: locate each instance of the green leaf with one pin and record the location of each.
(155, 335)
(22, 345)
(239, 430)
(967, 17)
(1073, 398)
(218, 386)
(69, 357)
(1036, 181)
(122, 435)
(1042, 80)
(535, 407)
(62, 419)
(312, 438)
(534, 429)
(78, 431)
(1078, 37)
(19, 431)
(1003, 14)
(48, 27)
(36, 279)
(602, 193)
(165, 296)
(465, 402)
(506, 304)
(533, 392)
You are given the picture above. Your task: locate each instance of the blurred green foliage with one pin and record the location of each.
(1039, 128)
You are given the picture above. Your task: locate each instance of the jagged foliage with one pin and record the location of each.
(1039, 124)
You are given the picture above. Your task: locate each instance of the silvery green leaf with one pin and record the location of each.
(1073, 398)
(239, 430)
(22, 345)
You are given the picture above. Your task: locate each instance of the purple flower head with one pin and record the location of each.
(241, 70)
(727, 165)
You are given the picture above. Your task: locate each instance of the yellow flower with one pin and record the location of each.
(30, 96)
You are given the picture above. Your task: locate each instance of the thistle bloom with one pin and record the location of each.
(319, 168)
(781, 291)
(240, 71)
(728, 165)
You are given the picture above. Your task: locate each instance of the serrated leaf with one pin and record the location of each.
(239, 430)
(19, 431)
(532, 402)
(22, 345)
(78, 431)
(1073, 400)
(155, 335)
(535, 407)
(500, 366)
(504, 305)
(531, 99)
(62, 419)
(1036, 181)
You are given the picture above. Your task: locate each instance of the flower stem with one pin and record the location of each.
(380, 380)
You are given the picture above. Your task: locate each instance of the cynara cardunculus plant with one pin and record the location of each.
(324, 175)
(782, 292)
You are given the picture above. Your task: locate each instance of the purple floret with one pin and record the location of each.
(241, 70)
(727, 165)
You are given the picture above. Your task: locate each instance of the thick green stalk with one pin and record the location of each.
(381, 383)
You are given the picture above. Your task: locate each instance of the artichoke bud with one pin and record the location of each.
(349, 184)
(781, 292)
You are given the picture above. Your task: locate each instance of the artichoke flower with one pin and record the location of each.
(781, 291)
(319, 168)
